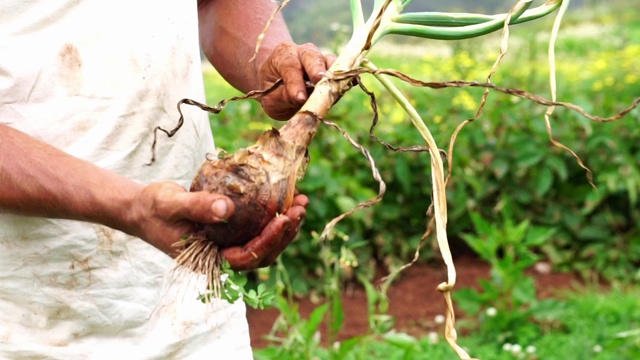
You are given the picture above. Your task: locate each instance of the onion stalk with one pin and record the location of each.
(261, 179)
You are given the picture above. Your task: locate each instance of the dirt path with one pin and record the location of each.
(414, 300)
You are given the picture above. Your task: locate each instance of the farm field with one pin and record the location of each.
(548, 265)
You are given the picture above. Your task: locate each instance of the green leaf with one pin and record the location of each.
(266, 300)
(632, 188)
(538, 235)
(403, 174)
(527, 160)
(548, 309)
(337, 313)
(469, 300)
(524, 291)
(555, 254)
(517, 234)
(572, 220)
(251, 299)
(381, 323)
(315, 319)
(401, 340)
(238, 279)
(593, 200)
(593, 232)
(543, 181)
(558, 166)
(482, 226)
(262, 288)
(345, 203)
(348, 345)
(500, 167)
(372, 294)
(484, 247)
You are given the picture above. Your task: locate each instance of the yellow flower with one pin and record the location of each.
(600, 64)
(465, 100)
(464, 60)
(397, 116)
(630, 79)
(597, 86)
(609, 81)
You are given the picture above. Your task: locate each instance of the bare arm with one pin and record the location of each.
(37, 179)
(229, 31)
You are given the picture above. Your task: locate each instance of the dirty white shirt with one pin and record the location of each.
(93, 78)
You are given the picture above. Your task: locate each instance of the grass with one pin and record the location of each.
(594, 325)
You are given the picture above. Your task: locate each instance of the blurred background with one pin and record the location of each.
(515, 200)
(505, 156)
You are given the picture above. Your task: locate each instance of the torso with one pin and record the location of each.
(94, 78)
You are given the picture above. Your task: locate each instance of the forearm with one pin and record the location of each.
(229, 31)
(37, 179)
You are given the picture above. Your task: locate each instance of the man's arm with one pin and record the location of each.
(37, 179)
(229, 31)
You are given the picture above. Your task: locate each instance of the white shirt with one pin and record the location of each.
(94, 78)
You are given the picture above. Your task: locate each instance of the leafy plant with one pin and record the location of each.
(234, 288)
(506, 304)
(505, 153)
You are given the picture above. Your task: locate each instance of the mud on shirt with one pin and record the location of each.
(94, 78)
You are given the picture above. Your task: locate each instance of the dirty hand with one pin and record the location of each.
(163, 212)
(294, 64)
(265, 248)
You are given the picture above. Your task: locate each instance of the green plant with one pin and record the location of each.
(234, 288)
(298, 338)
(596, 324)
(503, 153)
(506, 304)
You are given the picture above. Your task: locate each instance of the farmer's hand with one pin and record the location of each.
(163, 212)
(264, 249)
(295, 64)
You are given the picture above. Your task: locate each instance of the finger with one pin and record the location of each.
(292, 73)
(199, 206)
(297, 215)
(329, 59)
(300, 200)
(313, 62)
(278, 106)
(250, 255)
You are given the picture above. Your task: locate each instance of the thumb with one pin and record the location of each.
(205, 207)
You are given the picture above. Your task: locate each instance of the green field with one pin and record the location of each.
(504, 159)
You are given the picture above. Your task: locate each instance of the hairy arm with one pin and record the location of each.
(37, 179)
(229, 31)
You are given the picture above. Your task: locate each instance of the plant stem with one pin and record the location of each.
(302, 127)
(439, 204)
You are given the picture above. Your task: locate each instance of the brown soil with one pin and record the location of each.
(414, 300)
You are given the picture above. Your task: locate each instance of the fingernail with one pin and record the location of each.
(220, 209)
(301, 96)
(321, 73)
